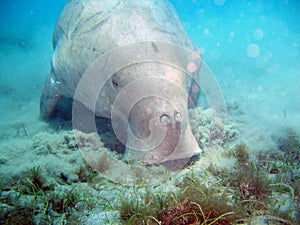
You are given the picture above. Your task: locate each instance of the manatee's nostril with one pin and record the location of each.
(178, 117)
(165, 119)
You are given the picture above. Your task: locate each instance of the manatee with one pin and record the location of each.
(152, 115)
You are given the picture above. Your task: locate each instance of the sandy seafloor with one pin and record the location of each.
(253, 50)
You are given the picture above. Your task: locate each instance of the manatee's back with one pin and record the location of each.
(86, 29)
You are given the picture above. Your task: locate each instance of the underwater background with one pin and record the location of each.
(252, 48)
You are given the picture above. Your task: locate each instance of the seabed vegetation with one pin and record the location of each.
(257, 190)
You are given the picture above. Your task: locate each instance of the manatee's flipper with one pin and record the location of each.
(194, 95)
(50, 98)
(195, 90)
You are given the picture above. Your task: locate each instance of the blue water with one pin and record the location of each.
(253, 49)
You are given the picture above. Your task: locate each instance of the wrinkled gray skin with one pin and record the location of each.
(85, 30)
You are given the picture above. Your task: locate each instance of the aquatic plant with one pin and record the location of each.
(241, 153)
(191, 213)
(192, 203)
(62, 202)
(287, 173)
(20, 216)
(30, 200)
(86, 174)
(290, 145)
(36, 177)
(253, 185)
(266, 186)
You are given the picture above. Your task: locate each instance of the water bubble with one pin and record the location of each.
(231, 34)
(191, 67)
(206, 31)
(258, 34)
(253, 50)
(260, 88)
(201, 50)
(219, 2)
(196, 55)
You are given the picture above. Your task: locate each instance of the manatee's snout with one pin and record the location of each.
(160, 131)
(171, 125)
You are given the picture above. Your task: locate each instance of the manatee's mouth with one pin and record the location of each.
(177, 164)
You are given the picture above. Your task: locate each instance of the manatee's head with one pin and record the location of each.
(158, 127)
(155, 130)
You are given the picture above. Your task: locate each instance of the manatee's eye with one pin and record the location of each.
(165, 119)
(178, 117)
(114, 83)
